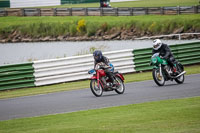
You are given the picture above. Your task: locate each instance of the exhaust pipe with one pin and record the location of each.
(180, 74)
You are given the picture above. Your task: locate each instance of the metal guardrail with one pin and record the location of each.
(40, 3)
(188, 53)
(16, 76)
(74, 68)
(32, 3)
(78, 1)
(4, 3)
(122, 11)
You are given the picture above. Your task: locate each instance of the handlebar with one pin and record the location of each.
(102, 67)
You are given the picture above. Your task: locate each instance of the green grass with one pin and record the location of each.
(36, 27)
(167, 116)
(82, 84)
(140, 3)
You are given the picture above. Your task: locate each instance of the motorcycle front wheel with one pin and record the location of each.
(158, 78)
(96, 90)
(121, 88)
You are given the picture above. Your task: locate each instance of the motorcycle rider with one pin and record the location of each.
(164, 52)
(99, 58)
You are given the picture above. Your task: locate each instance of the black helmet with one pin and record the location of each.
(97, 55)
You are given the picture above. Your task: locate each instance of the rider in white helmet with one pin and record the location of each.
(165, 52)
(157, 44)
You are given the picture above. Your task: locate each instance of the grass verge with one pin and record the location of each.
(70, 26)
(167, 116)
(134, 77)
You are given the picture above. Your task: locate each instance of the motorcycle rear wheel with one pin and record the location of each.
(121, 88)
(180, 79)
(159, 80)
(96, 90)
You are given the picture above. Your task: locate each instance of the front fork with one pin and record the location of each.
(160, 74)
(160, 70)
(99, 81)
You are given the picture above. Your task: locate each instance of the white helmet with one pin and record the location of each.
(157, 44)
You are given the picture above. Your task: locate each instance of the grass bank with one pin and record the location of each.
(134, 77)
(95, 26)
(168, 116)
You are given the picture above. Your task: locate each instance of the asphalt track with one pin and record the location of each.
(76, 100)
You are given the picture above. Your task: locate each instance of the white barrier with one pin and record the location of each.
(33, 3)
(76, 67)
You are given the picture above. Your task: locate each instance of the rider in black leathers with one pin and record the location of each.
(165, 53)
(98, 58)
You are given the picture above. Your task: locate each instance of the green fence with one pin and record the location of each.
(78, 1)
(4, 3)
(16, 76)
(188, 53)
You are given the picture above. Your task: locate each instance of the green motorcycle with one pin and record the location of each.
(162, 71)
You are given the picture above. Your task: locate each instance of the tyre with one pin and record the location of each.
(121, 88)
(159, 80)
(96, 90)
(180, 79)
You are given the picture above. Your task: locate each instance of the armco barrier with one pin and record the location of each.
(4, 3)
(188, 53)
(78, 1)
(16, 76)
(74, 68)
(185, 53)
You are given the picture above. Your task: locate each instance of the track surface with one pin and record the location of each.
(76, 100)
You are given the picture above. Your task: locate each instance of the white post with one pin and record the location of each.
(179, 37)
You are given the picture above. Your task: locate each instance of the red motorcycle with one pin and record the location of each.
(100, 82)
